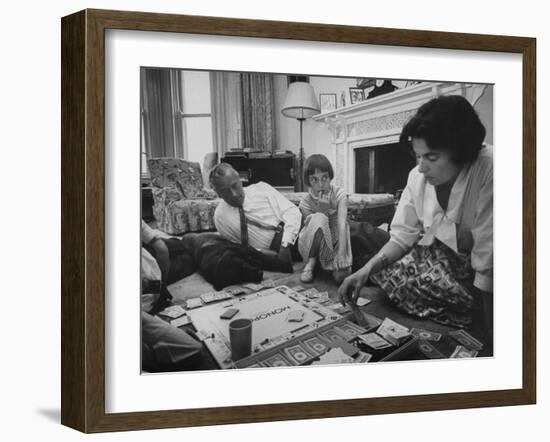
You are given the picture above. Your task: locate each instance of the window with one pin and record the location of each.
(176, 116)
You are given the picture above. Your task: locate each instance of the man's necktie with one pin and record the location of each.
(244, 227)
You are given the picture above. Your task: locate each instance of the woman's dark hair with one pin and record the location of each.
(317, 161)
(448, 123)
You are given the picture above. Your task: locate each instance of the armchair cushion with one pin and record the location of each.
(181, 203)
(182, 179)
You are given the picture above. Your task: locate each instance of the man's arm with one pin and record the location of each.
(288, 213)
(291, 216)
(224, 223)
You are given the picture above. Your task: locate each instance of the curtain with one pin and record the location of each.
(157, 113)
(225, 93)
(258, 108)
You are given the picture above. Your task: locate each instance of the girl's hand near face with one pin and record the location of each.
(324, 201)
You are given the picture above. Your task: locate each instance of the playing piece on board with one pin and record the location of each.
(295, 316)
(234, 291)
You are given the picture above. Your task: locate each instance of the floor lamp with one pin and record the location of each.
(300, 103)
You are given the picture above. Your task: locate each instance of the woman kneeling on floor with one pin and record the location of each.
(438, 263)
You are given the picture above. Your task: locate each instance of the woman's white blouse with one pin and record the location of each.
(466, 225)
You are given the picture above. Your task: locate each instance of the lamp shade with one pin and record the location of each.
(301, 102)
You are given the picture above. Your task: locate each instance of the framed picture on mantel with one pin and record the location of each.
(109, 138)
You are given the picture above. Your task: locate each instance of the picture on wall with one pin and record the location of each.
(356, 95)
(327, 102)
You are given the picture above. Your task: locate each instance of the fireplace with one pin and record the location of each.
(367, 157)
(382, 169)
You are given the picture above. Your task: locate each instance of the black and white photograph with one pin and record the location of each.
(327, 102)
(356, 95)
(273, 235)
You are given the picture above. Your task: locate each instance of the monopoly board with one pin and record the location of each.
(272, 327)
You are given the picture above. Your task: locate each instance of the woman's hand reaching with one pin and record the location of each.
(351, 287)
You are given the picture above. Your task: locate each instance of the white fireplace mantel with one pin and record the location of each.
(379, 121)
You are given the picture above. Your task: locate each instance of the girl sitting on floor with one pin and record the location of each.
(325, 237)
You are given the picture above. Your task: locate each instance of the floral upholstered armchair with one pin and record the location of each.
(181, 202)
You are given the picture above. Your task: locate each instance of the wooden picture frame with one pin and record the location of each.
(83, 220)
(356, 95)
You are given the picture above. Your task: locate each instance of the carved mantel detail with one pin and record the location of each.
(387, 122)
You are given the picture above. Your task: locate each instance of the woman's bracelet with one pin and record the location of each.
(383, 258)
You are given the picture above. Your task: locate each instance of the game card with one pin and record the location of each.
(374, 341)
(430, 351)
(268, 284)
(194, 303)
(362, 302)
(256, 365)
(350, 330)
(253, 287)
(183, 320)
(316, 345)
(427, 335)
(466, 339)
(363, 357)
(174, 311)
(332, 335)
(297, 354)
(463, 352)
(277, 360)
